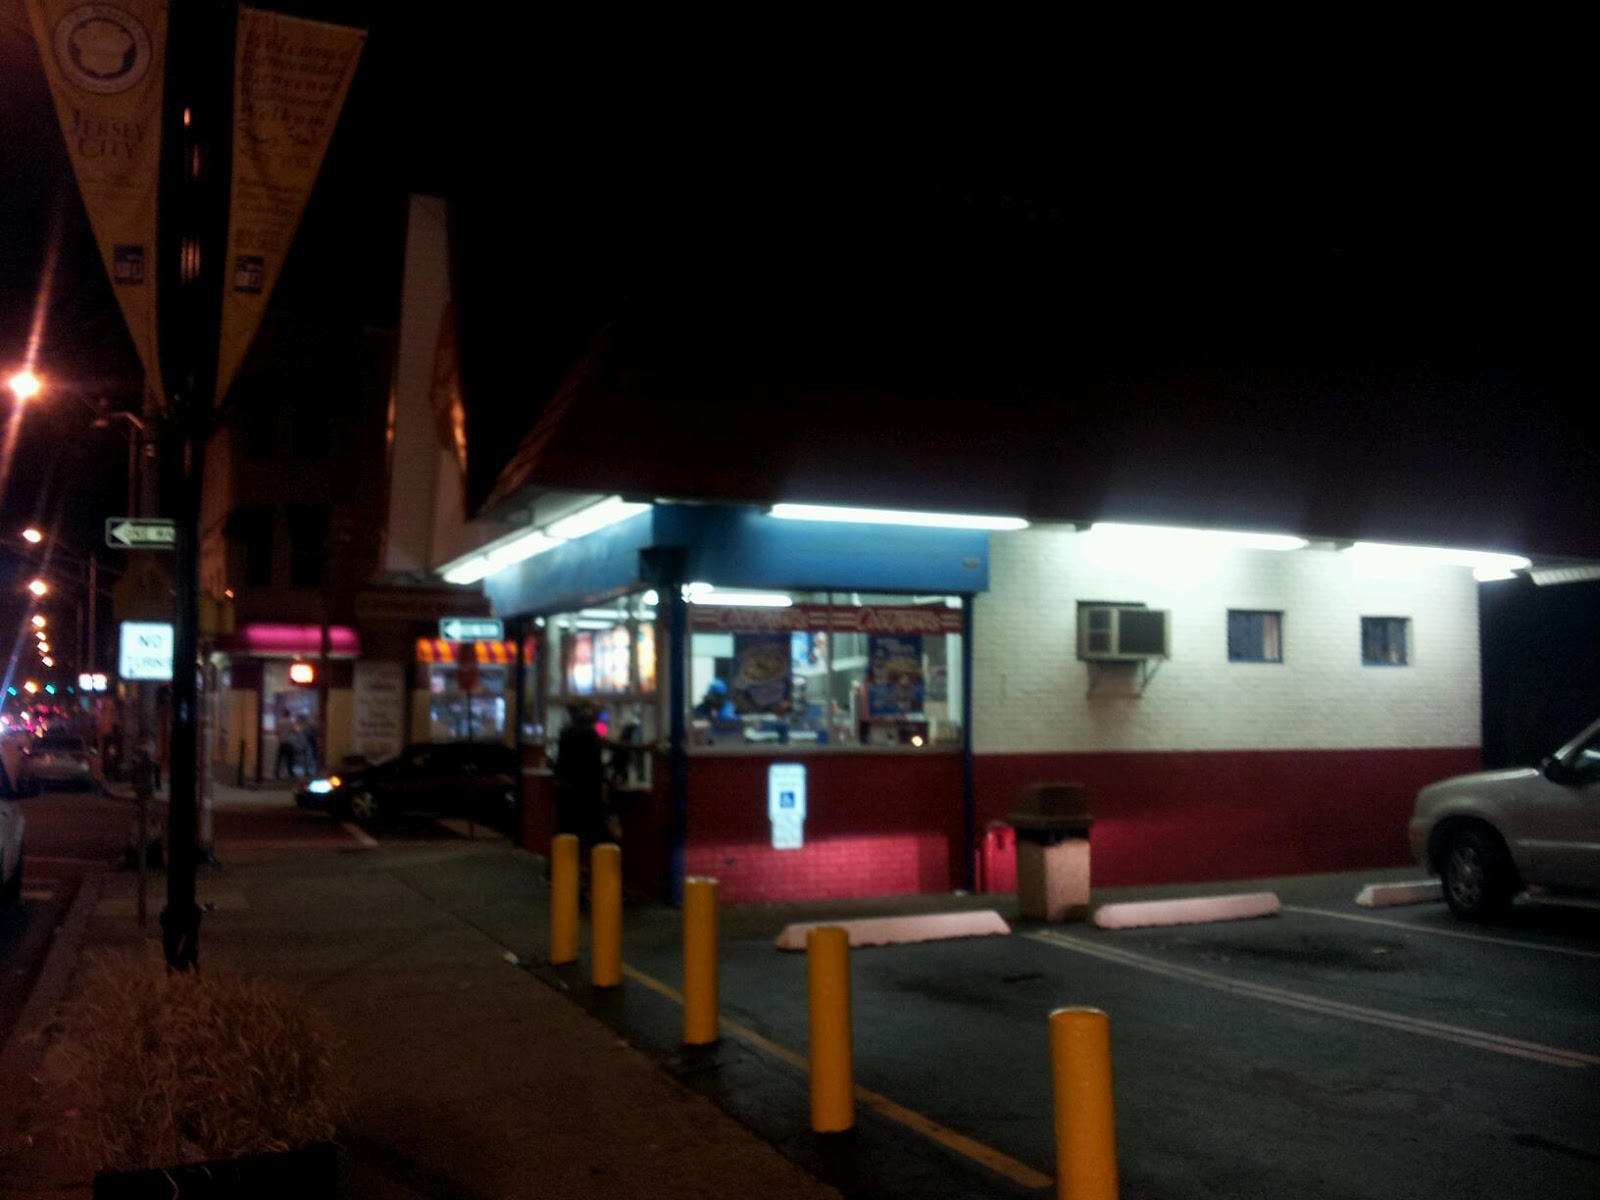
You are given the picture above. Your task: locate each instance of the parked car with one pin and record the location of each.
(57, 760)
(11, 826)
(1491, 835)
(461, 779)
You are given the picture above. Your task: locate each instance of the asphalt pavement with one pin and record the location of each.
(1329, 1052)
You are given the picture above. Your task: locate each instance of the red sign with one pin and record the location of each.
(823, 618)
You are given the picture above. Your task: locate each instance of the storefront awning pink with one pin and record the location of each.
(267, 639)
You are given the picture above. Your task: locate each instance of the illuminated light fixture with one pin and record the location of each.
(30, 687)
(522, 547)
(1487, 565)
(38, 587)
(651, 598)
(25, 385)
(39, 621)
(1162, 538)
(596, 517)
(892, 516)
(48, 661)
(1551, 576)
(302, 673)
(738, 599)
(32, 535)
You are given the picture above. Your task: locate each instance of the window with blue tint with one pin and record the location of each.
(1255, 636)
(1385, 641)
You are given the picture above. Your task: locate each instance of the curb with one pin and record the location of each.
(23, 1051)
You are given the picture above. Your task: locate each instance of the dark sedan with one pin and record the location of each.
(457, 779)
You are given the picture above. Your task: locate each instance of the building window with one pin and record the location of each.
(308, 540)
(1255, 636)
(1385, 641)
(251, 527)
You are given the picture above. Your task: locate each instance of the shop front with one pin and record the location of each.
(788, 703)
(271, 681)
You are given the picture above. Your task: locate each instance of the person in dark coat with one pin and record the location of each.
(580, 777)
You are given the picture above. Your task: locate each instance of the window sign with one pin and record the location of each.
(786, 804)
(146, 650)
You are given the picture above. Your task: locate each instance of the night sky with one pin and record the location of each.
(1003, 226)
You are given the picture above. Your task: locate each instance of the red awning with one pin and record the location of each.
(266, 639)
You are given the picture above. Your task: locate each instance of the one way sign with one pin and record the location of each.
(141, 533)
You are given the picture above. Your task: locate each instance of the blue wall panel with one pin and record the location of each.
(744, 548)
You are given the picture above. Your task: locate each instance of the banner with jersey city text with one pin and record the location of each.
(106, 64)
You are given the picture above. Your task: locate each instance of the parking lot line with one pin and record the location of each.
(1477, 1039)
(368, 842)
(959, 1143)
(1455, 933)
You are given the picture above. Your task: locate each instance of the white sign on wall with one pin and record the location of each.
(146, 650)
(786, 805)
(379, 700)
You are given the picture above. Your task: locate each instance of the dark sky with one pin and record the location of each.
(1032, 210)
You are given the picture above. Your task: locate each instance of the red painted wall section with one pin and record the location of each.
(876, 825)
(1186, 817)
(890, 824)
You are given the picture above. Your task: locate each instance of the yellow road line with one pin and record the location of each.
(959, 1143)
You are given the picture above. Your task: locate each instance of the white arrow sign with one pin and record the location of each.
(141, 533)
(472, 629)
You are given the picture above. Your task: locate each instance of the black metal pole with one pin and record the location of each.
(196, 142)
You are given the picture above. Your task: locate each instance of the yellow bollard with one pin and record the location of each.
(833, 1098)
(700, 1024)
(1085, 1114)
(564, 899)
(605, 914)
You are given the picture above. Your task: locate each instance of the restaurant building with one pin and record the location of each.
(826, 707)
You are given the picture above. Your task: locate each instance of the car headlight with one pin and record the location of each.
(321, 787)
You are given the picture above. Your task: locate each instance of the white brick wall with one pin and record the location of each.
(1031, 693)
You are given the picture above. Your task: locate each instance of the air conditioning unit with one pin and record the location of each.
(1123, 632)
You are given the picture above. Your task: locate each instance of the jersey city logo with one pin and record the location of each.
(102, 49)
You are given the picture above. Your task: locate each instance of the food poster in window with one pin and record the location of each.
(611, 660)
(895, 683)
(580, 664)
(761, 680)
(647, 657)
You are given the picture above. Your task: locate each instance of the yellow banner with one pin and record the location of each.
(291, 77)
(105, 64)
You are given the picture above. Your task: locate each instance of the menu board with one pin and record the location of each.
(895, 684)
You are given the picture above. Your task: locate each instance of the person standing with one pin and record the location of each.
(580, 777)
(288, 732)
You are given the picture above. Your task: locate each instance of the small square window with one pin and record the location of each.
(1385, 641)
(1255, 636)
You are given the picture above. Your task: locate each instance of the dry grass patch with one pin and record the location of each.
(171, 1068)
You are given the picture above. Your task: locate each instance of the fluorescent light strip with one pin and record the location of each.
(891, 516)
(1487, 565)
(596, 517)
(536, 541)
(1163, 536)
(704, 593)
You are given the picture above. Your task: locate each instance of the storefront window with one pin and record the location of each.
(606, 654)
(479, 711)
(827, 669)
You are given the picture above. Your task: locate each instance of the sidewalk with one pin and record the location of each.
(473, 1077)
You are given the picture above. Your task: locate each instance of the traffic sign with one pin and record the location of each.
(141, 533)
(146, 650)
(472, 629)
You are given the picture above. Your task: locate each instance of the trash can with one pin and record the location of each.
(1052, 828)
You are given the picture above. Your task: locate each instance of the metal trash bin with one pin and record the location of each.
(1052, 822)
